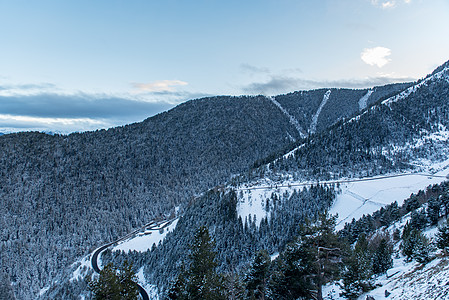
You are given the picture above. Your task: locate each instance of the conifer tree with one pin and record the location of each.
(115, 284)
(382, 260)
(415, 245)
(257, 277)
(200, 280)
(309, 262)
(357, 276)
(443, 238)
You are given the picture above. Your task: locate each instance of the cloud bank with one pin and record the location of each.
(282, 84)
(68, 113)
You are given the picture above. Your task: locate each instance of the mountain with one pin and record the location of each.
(63, 196)
(399, 135)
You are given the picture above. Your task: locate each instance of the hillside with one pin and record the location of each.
(62, 196)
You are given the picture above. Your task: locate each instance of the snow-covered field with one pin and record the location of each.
(145, 240)
(356, 198)
(365, 197)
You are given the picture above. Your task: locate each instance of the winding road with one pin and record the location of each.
(153, 226)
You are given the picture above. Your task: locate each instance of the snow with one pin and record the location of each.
(144, 242)
(292, 119)
(365, 197)
(357, 197)
(251, 202)
(318, 112)
(43, 290)
(406, 280)
(151, 289)
(252, 198)
(83, 266)
(412, 280)
(363, 102)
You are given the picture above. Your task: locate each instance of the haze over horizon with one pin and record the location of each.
(76, 66)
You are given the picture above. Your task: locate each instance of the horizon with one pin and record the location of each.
(74, 67)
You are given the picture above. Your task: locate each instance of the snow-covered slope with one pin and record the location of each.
(406, 280)
(366, 196)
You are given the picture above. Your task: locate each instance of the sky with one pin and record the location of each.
(84, 65)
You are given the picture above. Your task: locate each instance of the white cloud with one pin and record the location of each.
(160, 85)
(385, 4)
(388, 4)
(377, 56)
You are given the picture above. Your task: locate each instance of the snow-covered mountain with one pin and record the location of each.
(249, 168)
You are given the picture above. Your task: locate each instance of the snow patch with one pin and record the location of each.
(252, 199)
(43, 290)
(363, 102)
(318, 112)
(291, 118)
(84, 265)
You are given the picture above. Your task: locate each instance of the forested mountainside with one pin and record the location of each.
(393, 135)
(387, 136)
(316, 110)
(62, 196)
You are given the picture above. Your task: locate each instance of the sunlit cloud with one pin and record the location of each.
(377, 56)
(159, 86)
(384, 4)
(12, 123)
(388, 4)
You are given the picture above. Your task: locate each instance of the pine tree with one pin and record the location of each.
(115, 284)
(257, 277)
(416, 245)
(443, 238)
(357, 276)
(382, 260)
(200, 280)
(309, 262)
(433, 211)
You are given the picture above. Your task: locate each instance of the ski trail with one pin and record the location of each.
(317, 114)
(363, 102)
(291, 118)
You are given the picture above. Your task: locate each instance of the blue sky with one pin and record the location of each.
(83, 65)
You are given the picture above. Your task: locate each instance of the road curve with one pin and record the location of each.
(94, 262)
(149, 226)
